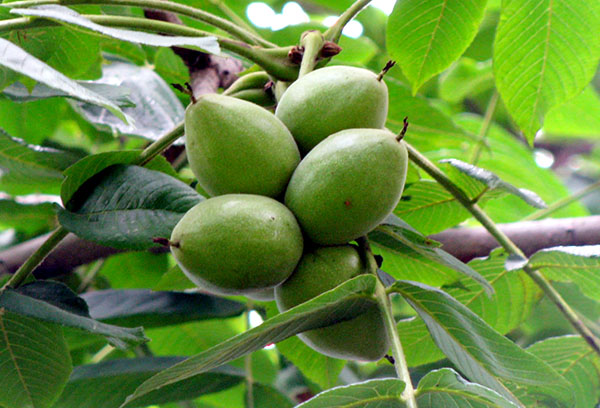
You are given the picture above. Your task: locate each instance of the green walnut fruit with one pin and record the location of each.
(235, 146)
(331, 99)
(237, 243)
(322, 269)
(347, 184)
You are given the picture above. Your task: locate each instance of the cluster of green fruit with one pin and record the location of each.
(244, 240)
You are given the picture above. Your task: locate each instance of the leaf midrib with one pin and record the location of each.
(13, 357)
(435, 29)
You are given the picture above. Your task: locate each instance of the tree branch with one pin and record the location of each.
(530, 236)
(463, 243)
(208, 72)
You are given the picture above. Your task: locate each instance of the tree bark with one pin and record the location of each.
(463, 243)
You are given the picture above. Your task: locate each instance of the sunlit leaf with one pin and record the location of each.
(545, 53)
(425, 37)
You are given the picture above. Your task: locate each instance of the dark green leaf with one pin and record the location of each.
(369, 394)
(107, 384)
(493, 182)
(34, 361)
(156, 109)
(146, 308)
(56, 294)
(344, 302)
(69, 16)
(84, 169)
(29, 164)
(425, 37)
(545, 53)
(29, 218)
(579, 265)
(20, 61)
(27, 306)
(480, 352)
(127, 206)
(395, 234)
(445, 388)
(573, 358)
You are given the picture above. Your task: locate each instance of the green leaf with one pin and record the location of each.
(579, 117)
(480, 352)
(107, 384)
(69, 16)
(401, 262)
(28, 306)
(573, 358)
(512, 161)
(195, 337)
(466, 78)
(30, 164)
(369, 394)
(73, 53)
(34, 361)
(18, 60)
(430, 129)
(395, 234)
(430, 208)
(156, 109)
(493, 182)
(425, 37)
(342, 303)
(29, 218)
(545, 53)
(127, 206)
(84, 169)
(579, 265)
(445, 388)
(174, 279)
(143, 269)
(131, 308)
(266, 396)
(318, 368)
(516, 295)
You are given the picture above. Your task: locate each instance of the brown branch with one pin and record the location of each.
(463, 243)
(531, 236)
(208, 72)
